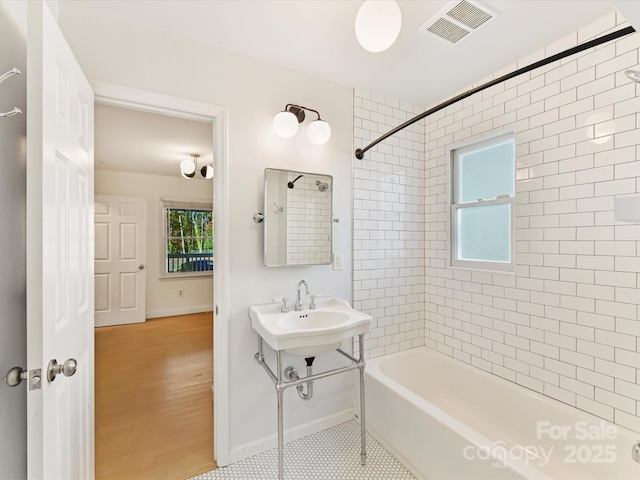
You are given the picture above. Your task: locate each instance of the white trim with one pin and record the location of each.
(173, 203)
(497, 266)
(111, 94)
(144, 100)
(171, 312)
(269, 442)
(454, 152)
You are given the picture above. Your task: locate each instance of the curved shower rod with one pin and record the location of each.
(558, 56)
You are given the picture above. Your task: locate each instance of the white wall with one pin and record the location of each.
(308, 218)
(389, 226)
(13, 320)
(162, 293)
(567, 324)
(121, 51)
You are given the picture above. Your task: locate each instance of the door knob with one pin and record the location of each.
(141, 267)
(15, 376)
(68, 368)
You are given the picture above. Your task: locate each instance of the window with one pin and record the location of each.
(483, 205)
(187, 238)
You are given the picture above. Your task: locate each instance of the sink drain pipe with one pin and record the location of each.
(292, 374)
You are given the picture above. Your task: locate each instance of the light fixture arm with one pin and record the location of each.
(286, 124)
(298, 111)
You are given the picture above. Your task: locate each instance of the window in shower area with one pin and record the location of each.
(483, 205)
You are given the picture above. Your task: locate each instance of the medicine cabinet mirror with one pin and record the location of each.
(297, 218)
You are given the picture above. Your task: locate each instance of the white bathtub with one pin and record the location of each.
(445, 419)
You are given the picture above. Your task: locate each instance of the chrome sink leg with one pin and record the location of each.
(280, 393)
(363, 431)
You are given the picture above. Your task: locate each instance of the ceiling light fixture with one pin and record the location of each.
(285, 124)
(378, 24)
(188, 168)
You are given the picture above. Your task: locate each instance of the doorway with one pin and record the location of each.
(161, 319)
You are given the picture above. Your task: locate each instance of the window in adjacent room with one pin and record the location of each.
(483, 205)
(187, 238)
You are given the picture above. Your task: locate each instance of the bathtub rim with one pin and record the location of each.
(374, 372)
(440, 416)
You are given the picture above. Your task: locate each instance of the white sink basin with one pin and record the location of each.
(308, 332)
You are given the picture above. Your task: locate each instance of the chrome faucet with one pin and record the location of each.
(298, 300)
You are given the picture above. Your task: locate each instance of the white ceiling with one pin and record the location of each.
(317, 37)
(133, 141)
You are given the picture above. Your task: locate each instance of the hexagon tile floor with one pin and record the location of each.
(330, 454)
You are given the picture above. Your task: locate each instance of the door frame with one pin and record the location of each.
(123, 96)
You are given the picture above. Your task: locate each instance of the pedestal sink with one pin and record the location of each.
(307, 333)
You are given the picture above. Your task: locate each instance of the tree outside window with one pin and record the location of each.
(189, 240)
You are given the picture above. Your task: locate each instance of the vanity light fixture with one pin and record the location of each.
(285, 124)
(188, 168)
(378, 24)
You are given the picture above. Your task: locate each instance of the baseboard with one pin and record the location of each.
(100, 321)
(178, 311)
(267, 443)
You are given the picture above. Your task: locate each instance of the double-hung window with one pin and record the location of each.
(483, 205)
(187, 238)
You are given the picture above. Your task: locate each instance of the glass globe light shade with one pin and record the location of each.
(187, 167)
(207, 172)
(319, 132)
(378, 24)
(285, 124)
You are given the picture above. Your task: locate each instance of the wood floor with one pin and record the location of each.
(154, 404)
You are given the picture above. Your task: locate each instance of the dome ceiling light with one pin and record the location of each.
(378, 24)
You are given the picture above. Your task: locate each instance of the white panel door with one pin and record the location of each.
(120, 260)
(60, 415)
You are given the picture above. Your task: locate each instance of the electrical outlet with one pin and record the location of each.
(181, 293)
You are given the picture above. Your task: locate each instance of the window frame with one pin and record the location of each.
(181, 204)
(455, 205)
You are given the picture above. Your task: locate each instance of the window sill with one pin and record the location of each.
(182, 275)
(482, 270)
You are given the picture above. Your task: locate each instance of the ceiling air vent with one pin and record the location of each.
(456, 21)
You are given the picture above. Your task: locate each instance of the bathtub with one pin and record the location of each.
(444, 419)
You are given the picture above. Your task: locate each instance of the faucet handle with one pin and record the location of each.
(312, 302)
(284, 300)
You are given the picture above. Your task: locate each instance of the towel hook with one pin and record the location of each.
(10, 73)
(16, 110)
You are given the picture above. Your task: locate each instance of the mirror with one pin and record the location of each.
(297, 218)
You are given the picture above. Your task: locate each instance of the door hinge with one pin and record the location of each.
(216, 309)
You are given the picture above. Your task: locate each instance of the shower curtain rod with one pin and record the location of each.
(558, 56)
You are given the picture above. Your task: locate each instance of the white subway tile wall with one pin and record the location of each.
(567, 324)
(389, 225)
(308, 213)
